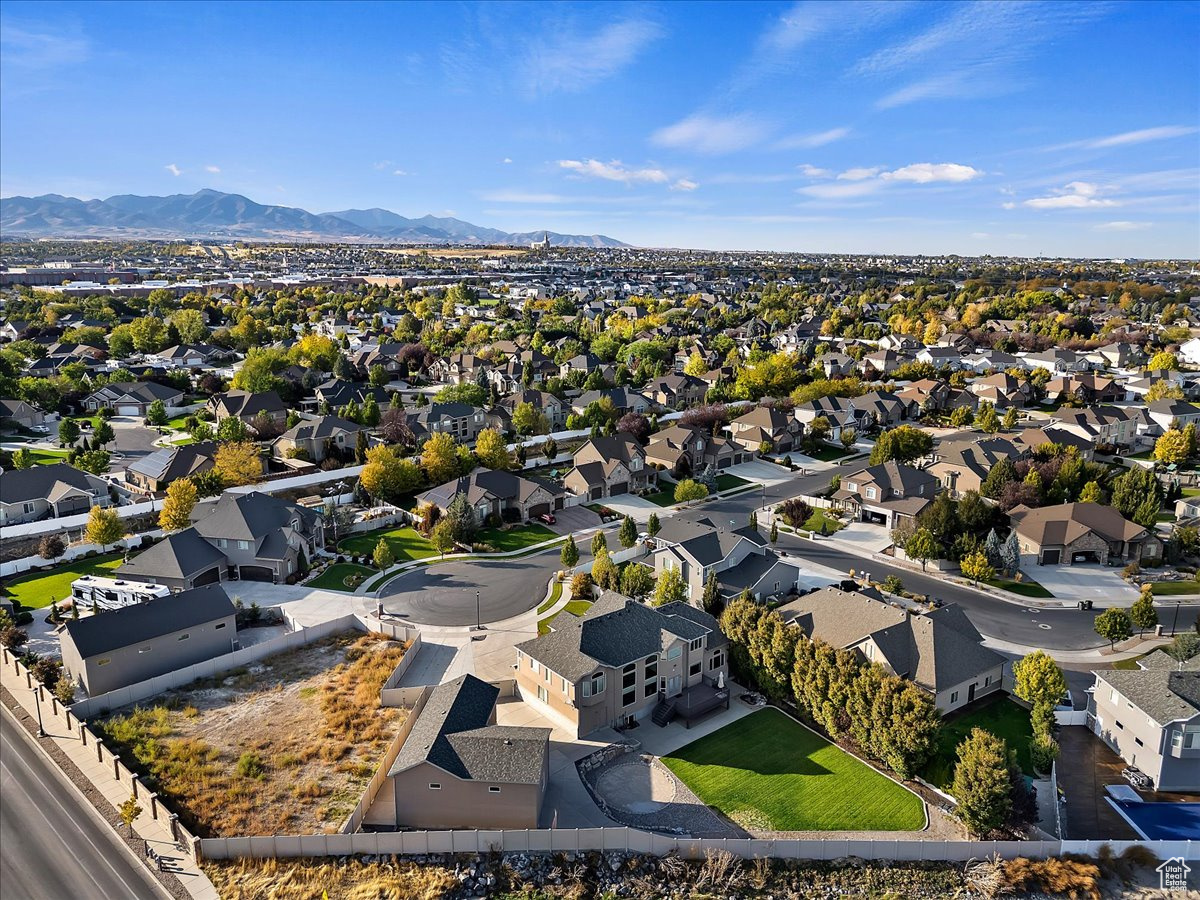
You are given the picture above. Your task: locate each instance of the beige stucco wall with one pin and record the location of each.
(463, 804)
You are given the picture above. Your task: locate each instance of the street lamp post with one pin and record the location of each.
(478, 621)
(37, 702)
(1175, 620)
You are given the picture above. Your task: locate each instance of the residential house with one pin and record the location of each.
(20, 413)
(461, 421)
(1100, 424)
(623, 400)
(886, 494)
(676, 391)
(686, 451)
(1030, 439)
(1151, 717)
(248, 406)
(317, 439)
(1073, 533)
(840, 412)
(458, 769)
(1002, 391)
(880, 409)
(698, 549)
(1084, 387)
(337, 392)
(133, 398)
(182, 560)
(609, 466)
(120, 647)
(501, 494)
(964, 465)
(1165, 414)
(549, 404)
(926, 395)
(836, 365)
(45, 492)
(882, 363)
(184, 356)
(152, 473)
(940, 651)
(1056, 361)
(457, 368)
(766, 426)
(941, 356)
(623, 661)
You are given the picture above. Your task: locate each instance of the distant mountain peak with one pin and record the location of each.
(212, 214)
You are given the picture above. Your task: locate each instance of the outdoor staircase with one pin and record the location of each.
(663, 713)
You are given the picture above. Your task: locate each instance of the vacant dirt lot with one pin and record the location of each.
(283, 746)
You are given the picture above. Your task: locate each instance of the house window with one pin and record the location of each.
(548, 675)
(543, 695)
(243, 545)
(594, 685)
(533, 664)
(493, 789)
(220, 625)
(1118, 724)
(222, 543)
(717, 661)
(675, 651)
(871, 493)
(434, 786)
(183, 637)
(629, 675)
(145, 649)
(987, 680)
(694, 668)
(695, 645)
(30, 507)
(954, 697)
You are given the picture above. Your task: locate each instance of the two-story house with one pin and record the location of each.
(44, 492)
(317, 439)
(684, 451)
(963, 466)
(133, 398)
(676, 391)
(496, 493)
(248, 406)
(608, 466)
(767, 427)
(886, 494)
(623, 661)
(698, 549)
(461, 421)
(555, 411)
(1151, 717)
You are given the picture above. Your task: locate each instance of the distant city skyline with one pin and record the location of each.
(1007, 128)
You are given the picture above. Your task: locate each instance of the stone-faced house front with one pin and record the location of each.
(609, 466)
(496, 493)
(1073, 533)
(623, 660)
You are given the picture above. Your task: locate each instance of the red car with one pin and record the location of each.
(547, 518)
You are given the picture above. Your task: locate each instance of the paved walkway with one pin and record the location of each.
(156, 832)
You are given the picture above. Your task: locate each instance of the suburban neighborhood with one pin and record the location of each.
(317, 554)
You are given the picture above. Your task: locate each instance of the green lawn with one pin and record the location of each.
(827, 453)
(1176, 588)
(406, 543)
(1129, 665)
(47, 457)
(1026, 587)
(729, 482)
(555, 596)
(822, 516)
(769, 773)
(38, 589)
(575, 608)
(334, 578)
(515, 538)
(1002, 717)
(662, 498)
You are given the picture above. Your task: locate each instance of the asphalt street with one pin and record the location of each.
(444, 594)
(53, 846)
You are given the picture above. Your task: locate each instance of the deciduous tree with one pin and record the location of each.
(689, 491)
(903, 444)
(492, 451)
(669, 587)
(238, 463)
(439, 457)
(1142, 613)
(570, 553)
(177, 505)
(1114, 625)
(1038, 680)
(628, 532)
(104, 527)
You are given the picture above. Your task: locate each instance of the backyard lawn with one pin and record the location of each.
(47, 457)
(334, 578)
(1001, 717)
(405, 543)
(38, 589)
(1026, 588)
(767, 772)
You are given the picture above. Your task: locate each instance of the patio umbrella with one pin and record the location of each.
(720, 681)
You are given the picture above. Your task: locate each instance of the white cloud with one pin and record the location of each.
(1008, 204)
(174, 169)
(383, 164)
(710, 134)
(808, 141)
(841, 191)
(573, 62)
(858, 174)
(506, 160)
(685, 184)
(614, 170)
(813, 171)
(1122, 226)
(37, 46)
(399, 172)
(1142, 136)
(213, 170)
(1076, 195)
(925, 173)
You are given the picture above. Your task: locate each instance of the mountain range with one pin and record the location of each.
(212, 214)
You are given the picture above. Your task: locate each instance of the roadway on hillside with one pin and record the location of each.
(54, 845)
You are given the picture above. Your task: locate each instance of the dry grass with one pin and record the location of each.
(316, 879)
(284, 746)
(1057, 876)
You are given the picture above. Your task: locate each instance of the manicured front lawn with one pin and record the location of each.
(729, 482)
(827, 453)
(1129, 665)
(1026, 587)
(555, 595)
(767, 772)
(662, 498)
(1002, 717)
(820, 517)
(1175, 588)
(515, 538)
(406, 543)
(38, 589)
(575, 608)
(334, 578)
(48, 457)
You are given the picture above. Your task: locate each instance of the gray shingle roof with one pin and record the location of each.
(1163, 693)
(180, 555)
(169, 463)
(38, 482)
(153, 618)
(249, 516)
(452, 733)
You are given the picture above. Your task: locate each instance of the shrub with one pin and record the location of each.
(50, 547)
(1131, 570)
(250, 765)
(893, 585)
(795, 512)
(1072, 877)
(1043, 751)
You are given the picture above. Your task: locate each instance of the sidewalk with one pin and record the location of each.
(1137, 647)
(155, 831)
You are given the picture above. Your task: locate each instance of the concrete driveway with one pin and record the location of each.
(1102, 584)
(761, 472)
(630, 505)
(864, 537)
(574, 518)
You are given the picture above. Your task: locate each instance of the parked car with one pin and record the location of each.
(548, 518)
(40, 429)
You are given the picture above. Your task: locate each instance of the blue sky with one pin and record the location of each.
(1022, 128)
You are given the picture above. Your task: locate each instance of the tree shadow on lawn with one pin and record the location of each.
(773, 762)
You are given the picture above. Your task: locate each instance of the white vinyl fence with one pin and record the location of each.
(66, 523)
(75, 551)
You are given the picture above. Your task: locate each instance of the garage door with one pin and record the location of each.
(1051, 557)
(619, 488)
(129, 410)
(539, 509)
(558, 502)
(256, 573)
(212, 576)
